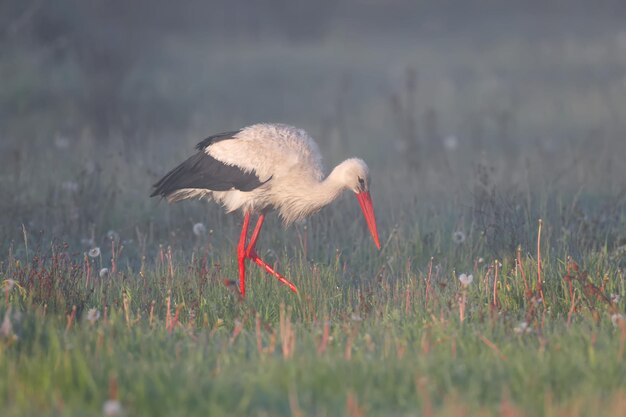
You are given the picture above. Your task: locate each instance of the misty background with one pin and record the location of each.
(489, 107)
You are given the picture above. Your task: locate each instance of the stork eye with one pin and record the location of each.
(361, 183)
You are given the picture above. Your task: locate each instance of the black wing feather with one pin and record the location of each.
(205, 172)
(216, 138)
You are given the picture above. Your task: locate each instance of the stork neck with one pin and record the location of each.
(306, 200)
(329, 189)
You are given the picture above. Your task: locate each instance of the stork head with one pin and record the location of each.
(355, 175)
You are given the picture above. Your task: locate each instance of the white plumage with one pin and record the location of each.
(264, 167)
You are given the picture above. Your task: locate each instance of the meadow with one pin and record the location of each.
(496, 157)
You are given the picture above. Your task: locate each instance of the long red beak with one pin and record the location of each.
(368, 211)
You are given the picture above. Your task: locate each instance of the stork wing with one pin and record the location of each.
(216, 138)
(203, 172)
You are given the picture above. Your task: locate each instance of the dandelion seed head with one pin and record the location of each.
(458, 237)
(9, 284)
(112, 408)
(465, 279)
(199, 229)
(94, 252)
(616, 319)
(450, 143)
(93, 315)
(522, 328)
(113, 235)
(104, 272)
(355, 317)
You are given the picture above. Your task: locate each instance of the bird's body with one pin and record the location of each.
(265, 167)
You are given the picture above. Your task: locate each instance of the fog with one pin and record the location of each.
(431, 94)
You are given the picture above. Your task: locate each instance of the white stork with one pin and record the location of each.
(264, 167)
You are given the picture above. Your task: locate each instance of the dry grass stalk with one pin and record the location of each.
(421, 385)
(113, 257)
(428, 278)
(527, 291)
(539, 287)
(87, 270)
(167, 311)
(175, 319)
(507, 408)
(287, 334)
(400, 348)
(572, 310)
(126, 309)
(352, 406)
(295, 409)
(70, 319)
(462, 302)
(151, 319)
(493, 346)
(170, 265)
(259, 337)
(495, 284)
(486, 281)
(425, 343)
(236, 331)
(321, 348)
(407, 300)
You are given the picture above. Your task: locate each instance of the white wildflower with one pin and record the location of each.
(93, 315)
(458, 237)
(356, 317)
(61, 142)
(69, 186)
(112, 408)
(450, 143)
(481, 260)
(617, 319)
(522, 328)
(615, 298)
(94, 252)
(199, 229)
(104, 272)
(465, 279)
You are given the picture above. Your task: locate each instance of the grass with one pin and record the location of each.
(172, 338)
(161, 331)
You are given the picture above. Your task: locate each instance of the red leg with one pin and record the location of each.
(241, 254)
(251, 253)
(255, 234)
(271, 270)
